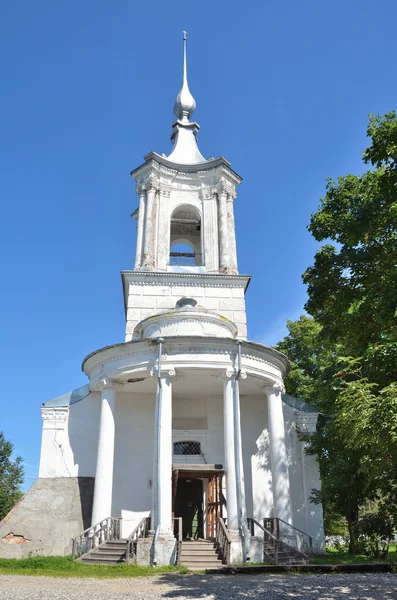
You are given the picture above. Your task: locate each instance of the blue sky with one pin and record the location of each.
(87, 87)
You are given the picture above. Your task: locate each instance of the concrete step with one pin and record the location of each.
(203, 566)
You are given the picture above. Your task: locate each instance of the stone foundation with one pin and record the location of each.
(45, 520)
(159, 554)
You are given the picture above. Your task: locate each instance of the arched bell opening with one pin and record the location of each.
(185, 239)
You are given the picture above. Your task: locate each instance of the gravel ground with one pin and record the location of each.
(382, 586)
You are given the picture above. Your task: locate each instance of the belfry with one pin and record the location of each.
(183, 446)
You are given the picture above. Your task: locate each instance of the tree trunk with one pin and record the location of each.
(352, 517)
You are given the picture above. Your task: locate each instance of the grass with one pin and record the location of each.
(64, 566)
(335, 557)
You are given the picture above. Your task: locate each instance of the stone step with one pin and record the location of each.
(192, 566)
(106, 555)
(199, 557)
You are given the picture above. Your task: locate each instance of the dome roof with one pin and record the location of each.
(187, 319)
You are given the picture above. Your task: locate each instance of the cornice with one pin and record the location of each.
(212, 278)
(154, 161)
(191, 345)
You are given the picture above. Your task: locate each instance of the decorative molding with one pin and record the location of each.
(54, 417)
(306, 422)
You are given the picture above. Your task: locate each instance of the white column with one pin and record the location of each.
(162, 472)
(102, 505)
(148, 259)
(232, 234)
(141, 222)
(224, 252)
(278, 454)
(230, 457)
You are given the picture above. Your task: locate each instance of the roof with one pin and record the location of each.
(70, 397)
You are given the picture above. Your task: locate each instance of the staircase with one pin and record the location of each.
(286, 555)
(111, 552)
(198, 555)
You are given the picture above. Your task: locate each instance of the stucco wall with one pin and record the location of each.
(69, 449)
(145, 300)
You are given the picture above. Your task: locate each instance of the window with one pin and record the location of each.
(185, 239)
(187, 448)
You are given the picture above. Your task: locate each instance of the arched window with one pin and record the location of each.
(185, 242)
(187, 448)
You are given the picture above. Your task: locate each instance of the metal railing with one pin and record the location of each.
(107, 529)
(140, 531)
(223, 540)
(271, 543)
(178, 525)
(290, 535)
(187, 259)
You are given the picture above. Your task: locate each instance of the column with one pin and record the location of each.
(148, 259)
(102, 505)
(230, 452)
(162, 472)
(141, 222)
(232, 234)
(224, 252)
(278, 454)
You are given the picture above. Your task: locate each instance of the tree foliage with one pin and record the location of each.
(344, 359)
(11, 476)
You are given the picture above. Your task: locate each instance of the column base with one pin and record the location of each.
(256, 549)
(156, 553)
(236, 547)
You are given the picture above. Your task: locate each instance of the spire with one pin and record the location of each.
(184, 103)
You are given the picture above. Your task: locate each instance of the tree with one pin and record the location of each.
(312, 377)
(344, 360)
(352, 288)
(11, 477)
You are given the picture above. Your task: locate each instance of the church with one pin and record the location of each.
(183, 444)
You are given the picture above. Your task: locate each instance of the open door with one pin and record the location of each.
(215, 503)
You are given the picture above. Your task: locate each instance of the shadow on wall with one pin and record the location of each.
(83, 431)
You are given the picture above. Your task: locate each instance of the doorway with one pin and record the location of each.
(189, 506)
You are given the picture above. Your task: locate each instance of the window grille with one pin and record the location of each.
(187, 448)
(186, 259)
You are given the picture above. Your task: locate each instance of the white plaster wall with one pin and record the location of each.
(133, 453)
(256, 456)
(145, 300)
(304, 476)
(69, 446)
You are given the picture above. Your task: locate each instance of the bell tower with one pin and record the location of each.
(186, 243)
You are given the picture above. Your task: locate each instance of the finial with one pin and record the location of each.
(184, 103)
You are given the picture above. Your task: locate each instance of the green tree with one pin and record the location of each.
(345, 361)
(313, 377)
(11, 476)
(352, 287)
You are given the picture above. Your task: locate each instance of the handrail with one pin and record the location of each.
(223, 540)
(296, 528)
(107, 529)
(275, 523)
(266, 534)
(179, 540)
(140, 531)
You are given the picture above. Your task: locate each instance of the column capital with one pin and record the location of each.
(105, 383)
(229, 373)
(166, 373)
(152, 184)
(140, 189)
(276, 387)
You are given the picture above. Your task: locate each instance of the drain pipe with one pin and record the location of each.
(238, 455)
(159, 400)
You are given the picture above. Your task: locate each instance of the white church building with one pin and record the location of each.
(183, 433)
